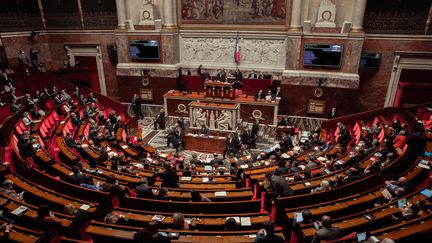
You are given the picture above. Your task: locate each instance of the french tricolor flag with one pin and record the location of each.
(237, 51)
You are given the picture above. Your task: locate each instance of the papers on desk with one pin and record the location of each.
(84, 207)
(185, 178)
(158, 218)
(386, 194)
(245, 221)
(427, 167)
(137, 165)
(256, 164)
(285, 156)
(208, 168)
(266, 163)
(298, 217)
(205, 179)
(125, 146)
(307, 183)
(341, 162)
(221, 194)
(84, 145)
(322, 159)
(244, 166)
(303, 167)
(19, 210)
(112, 154)
(378, 155)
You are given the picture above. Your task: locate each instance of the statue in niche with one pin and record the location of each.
(147, 13)
(224, 120)
(326, 14)
(200, 118)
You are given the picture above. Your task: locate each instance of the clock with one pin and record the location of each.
(146, 15)
(326, 15)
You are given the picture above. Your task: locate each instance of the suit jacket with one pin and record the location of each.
(326, 234)
(195, 161)
(161, 117)
(260, 96)
(278, 94)
(171, 179)
(218, 161)
(144, 191)
(332, 115)
(286, 143)
(206, 76)
(254, 131)
(77, 179)
(280, 187)
(70, 142)
(76, 121)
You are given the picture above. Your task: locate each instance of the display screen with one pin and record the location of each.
(144, 49)
(370, 60)
(323, 55)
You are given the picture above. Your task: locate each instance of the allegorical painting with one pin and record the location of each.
(233, 11)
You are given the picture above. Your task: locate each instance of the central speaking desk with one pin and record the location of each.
(177, 104)
(201, 143)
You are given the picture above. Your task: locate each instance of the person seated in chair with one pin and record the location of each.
(267, 234)
(326, 232)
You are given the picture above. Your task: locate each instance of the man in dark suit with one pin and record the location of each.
(267, 234)
(216, 160)
(204, 130)
(143, 190)
(416, 144)
(238, 75)
(253, 74)
(160, 120)
(245, 137)
(255, 129)
(260, 95)
(77, 177)
(70, 142)
(278, 93)
(75, 119)
(136, 106)
(170, 178)
(229, 145)
(280, 186)
(195, 159)
(286, 143)
(327, 232)
(206, 75)
(221, 76)
(178, 139)
(344, 135)
(332, 114)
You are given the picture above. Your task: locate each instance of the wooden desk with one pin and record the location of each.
(219, 89)
(200, 143)
(266, 111)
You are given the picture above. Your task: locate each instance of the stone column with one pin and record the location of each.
(358, 15)
(169, 7)
(121, 14)
(296, 10)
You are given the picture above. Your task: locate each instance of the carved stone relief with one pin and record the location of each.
(221, 51)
